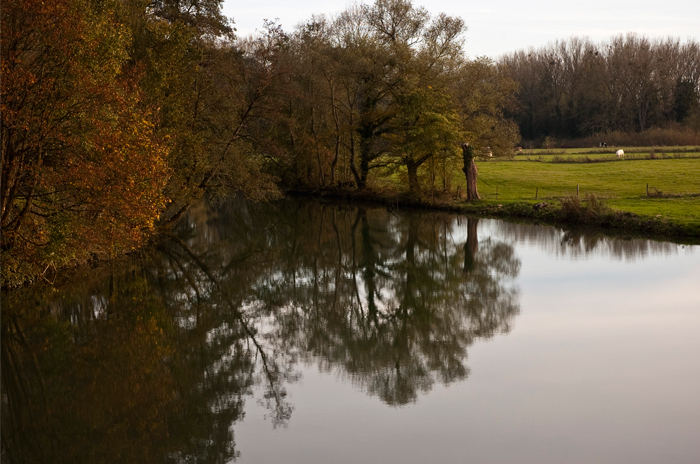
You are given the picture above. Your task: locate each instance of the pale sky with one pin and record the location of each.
(500, 26)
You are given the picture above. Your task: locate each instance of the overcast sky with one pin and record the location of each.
(500, 26)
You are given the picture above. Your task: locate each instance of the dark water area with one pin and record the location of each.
(305, 332)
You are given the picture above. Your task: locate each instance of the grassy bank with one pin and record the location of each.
(611, 195)
(661, 188)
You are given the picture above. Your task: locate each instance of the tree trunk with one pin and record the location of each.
(413, 185)
(335, 158)
(353, 169)
(318, 150)
(470, 172)
(365, 157)
(337, 132)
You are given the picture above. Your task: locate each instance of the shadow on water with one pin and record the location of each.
(153, 361)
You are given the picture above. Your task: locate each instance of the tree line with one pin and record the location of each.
(576, 88)
(119, 114)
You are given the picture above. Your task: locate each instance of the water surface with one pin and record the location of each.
(307, 332)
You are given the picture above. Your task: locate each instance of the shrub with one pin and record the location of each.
(573, 209)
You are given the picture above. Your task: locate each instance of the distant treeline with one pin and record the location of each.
(576, 88)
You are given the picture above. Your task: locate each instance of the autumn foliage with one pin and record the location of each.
(82, 168)
(120, 113)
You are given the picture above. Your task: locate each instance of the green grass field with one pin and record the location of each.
(674, 183)
(672, 175)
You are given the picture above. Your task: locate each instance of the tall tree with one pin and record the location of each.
(82, 167)
(426, 128)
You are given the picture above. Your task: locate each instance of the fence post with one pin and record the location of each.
(576, 189)
(536, 192)
(647, 189)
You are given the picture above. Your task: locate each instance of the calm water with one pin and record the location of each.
(302, 332)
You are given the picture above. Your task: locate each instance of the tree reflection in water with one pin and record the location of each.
(576, 243)
(388, 304)
(153, 361)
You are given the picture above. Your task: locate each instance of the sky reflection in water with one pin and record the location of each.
(600, 366)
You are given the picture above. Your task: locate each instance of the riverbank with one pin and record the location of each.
(651, 195)
(584, 212)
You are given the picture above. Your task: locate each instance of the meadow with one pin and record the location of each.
(659, 182)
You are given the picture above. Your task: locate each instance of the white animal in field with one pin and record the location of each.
(620, 153)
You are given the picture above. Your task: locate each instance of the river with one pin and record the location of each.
(300, 331)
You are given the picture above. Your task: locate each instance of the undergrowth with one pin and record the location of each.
(575, 210)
